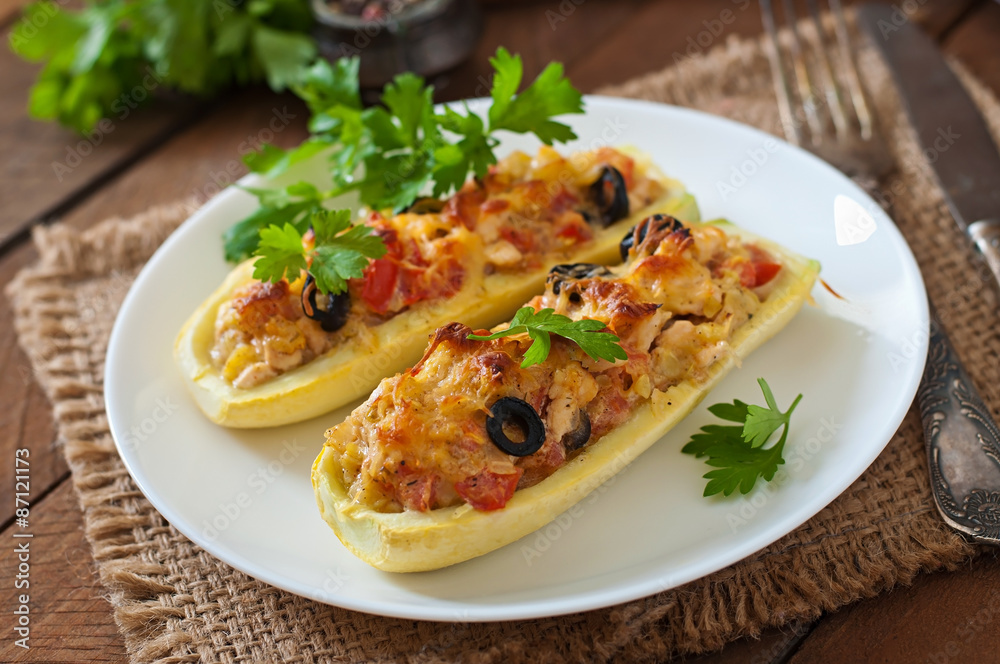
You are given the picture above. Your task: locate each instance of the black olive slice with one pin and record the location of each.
(659, 221)
(517, 413)
(580, 435)
(573, 272)
(330, 311)
(610, 195)
(425, 205)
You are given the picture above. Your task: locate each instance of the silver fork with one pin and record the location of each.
(834, 124)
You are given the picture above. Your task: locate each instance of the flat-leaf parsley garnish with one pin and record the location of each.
(737, 452)
(588, 334)
(340, 251)
(392, 153)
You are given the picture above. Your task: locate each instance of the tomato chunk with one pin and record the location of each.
(488, 490)
(416, 491)
(379, 284)
(764, 272)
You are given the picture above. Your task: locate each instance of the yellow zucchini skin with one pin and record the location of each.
(412, 541)
(351, 371)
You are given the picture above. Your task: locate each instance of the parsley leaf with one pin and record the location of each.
(324, 85)
(587, 334)
(410, 102)
(291, 204)
(473, 152)
(280, 254)
(549, 95)
(737, 452)
(241, 239)
(340, 251)
(282, 54)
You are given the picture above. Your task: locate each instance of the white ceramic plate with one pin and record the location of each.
(245, 496)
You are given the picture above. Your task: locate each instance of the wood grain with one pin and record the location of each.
(942, 618)
(46, 168)
(540, 33)
(659, 34)
(201, 161)
(773, 646)
(10, 11)
(25, 413)
(974, 43)
(70, 620)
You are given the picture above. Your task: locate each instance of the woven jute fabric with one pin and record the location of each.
(175, 603)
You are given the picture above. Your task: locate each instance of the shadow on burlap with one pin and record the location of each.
(175, 603)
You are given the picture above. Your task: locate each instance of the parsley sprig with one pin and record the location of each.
(737, 452)
(390, 154)
(586, 333)
(340, 251)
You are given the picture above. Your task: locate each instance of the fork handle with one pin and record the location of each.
(962, 441)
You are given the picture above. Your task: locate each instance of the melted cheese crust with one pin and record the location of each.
(370, 521)
(523, 210)
(420, 440)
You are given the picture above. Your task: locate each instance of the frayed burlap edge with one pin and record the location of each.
(174, 603)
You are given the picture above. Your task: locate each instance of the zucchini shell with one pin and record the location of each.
(419, 541)
(352, 370)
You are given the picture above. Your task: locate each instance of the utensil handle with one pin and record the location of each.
(963, 443)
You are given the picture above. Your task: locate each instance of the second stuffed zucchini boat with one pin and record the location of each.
(475, 447)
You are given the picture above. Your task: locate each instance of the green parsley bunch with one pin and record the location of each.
(98, 59)
(389, 154)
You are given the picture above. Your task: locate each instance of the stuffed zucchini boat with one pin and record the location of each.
(468, 450)
(258, 354)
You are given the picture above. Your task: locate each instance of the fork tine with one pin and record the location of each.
(781, 88)
(801, 69)
(854, 148)
(853, 79)
(831, 86)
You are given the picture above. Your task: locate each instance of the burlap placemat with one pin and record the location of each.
(175, 603)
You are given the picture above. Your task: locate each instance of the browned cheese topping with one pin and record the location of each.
(522, 210)
(420, 441)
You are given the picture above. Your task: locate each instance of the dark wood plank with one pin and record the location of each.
(941, 618)
(46, 167)
(974, 44)
(657, 34)
(25, 413)
(938, 17)
(69, 619)
(198, 162)
(10, 11)
(774, 645)
(541, 32)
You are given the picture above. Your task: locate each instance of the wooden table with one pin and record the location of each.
(176, 148)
